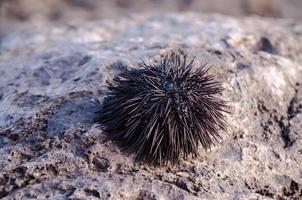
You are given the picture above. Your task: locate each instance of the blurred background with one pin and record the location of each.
(47, 12)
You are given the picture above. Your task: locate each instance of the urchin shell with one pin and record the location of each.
(164, 111)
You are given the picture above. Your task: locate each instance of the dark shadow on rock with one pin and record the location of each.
(82, 113)
(265, 45)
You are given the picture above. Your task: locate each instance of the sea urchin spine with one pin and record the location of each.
(164, 111)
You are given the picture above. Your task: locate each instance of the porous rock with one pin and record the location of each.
(47, 71)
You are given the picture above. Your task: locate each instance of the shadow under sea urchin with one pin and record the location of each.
(164, 111)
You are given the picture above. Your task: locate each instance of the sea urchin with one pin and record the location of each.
(164, 111)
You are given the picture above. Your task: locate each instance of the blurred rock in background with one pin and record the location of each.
(37, 12)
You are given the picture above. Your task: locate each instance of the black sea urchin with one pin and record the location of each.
(164, 111)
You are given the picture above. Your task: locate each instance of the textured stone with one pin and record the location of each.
(78, 113)
(50, 76)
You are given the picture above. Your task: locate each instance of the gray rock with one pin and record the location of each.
(81, 113)
(43, 68)
(230, 151)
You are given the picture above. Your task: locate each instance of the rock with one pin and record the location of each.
(57, 11)
(231, 151)
(53, 78)
(81, 113)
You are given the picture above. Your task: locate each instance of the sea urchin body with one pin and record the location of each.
(164, 111)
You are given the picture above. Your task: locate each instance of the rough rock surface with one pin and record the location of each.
(53, 80)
